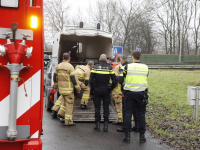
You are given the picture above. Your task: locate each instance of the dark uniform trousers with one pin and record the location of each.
(102, 92)
(135, 115)
(133, 104)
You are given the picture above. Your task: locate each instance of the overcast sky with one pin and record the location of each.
(82, 4)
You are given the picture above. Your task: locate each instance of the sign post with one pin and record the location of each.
(193, 97)
(117, 50)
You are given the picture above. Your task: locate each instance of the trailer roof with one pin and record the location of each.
(88, 32)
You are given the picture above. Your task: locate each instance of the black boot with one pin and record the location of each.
(97, 127)
(142, 138)
(120, 129)
(127, 137)
(105, 129)
(136, 127)
(54, 114)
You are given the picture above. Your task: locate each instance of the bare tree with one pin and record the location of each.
(196, 28)
(55, 17)
(56, 14)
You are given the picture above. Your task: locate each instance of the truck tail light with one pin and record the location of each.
(51, 96)
(34, 22)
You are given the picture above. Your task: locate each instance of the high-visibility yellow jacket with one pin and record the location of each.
(83, 72)
(65, 79)
(117, 88)
(135, 77)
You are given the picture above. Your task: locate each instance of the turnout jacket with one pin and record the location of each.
(117, 88)
(83, 73)
(101, 74)
(64, 78)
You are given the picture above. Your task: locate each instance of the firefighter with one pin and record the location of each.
(117, 94)
(112, 62)
(135, 84)
(120, 79)
(99, 81)
(83, 74)
(64, 82)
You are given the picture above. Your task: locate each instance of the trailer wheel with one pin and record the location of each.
(47, 102)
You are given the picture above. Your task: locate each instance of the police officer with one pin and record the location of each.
(135, 84)
(117, 94)
(64, 82)
(99, 80)
(83, 74)
(120, 79)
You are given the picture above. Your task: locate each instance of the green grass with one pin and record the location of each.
(168, 114)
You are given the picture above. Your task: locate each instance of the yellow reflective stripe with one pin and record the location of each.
(137, 74)
(119, 115)
(77, 86)
(86, 78)
(86, 96)
(136, 85)
(65, 92)
(62, 108)
(63, 74)
(135, 89)
(55, 83)
(102, 72)
(68, 117)
(62, 88)
(58, 103)
(73, 73)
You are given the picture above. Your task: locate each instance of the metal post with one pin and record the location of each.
(197, 104)
(14, 72)
(180, 46)
(194, 112)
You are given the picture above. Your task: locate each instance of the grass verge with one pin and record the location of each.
(168, 115)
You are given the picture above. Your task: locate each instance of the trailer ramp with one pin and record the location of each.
(87, 115)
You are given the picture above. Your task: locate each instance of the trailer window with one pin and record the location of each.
(9, 3)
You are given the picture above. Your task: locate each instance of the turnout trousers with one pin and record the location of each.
(67, 108)
(86, 93)
(133, 105)
(58, 103)
(104, 94)
(118, 104)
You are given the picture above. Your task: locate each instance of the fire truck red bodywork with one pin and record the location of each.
(32, 115)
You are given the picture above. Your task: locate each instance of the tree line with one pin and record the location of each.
(157, 27)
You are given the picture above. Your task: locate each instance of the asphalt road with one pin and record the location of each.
(83, 137)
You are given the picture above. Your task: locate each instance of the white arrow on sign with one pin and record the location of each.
(115, 51)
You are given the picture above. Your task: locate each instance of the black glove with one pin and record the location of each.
(145, 99)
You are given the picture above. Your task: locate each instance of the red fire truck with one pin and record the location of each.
(21, 74)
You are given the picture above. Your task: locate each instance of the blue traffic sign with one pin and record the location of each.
(138, 49)
(117, 50)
